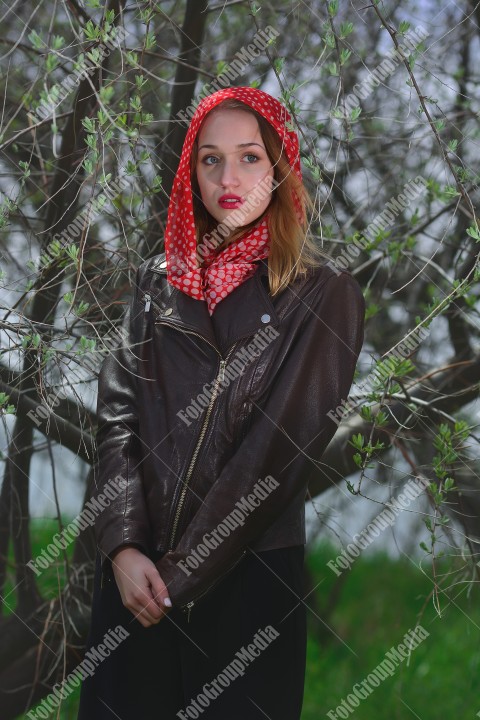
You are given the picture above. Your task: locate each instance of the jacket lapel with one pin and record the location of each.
(242, 313)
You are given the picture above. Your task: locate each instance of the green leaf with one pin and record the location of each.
(449, 484)
(366, 413)
(140, 81)
(371, 310)
(350, 487)
(450, 191)
(358, 441)
(92, 32)
(150, 41)
(104, 179)
(404, 27)
(337, 113)
(82, 308)
(106, 94)
(72, 252)
(136, 103)
(156, 184)
(333, 8)
(91, 141)
(58, 42)
(381, 418)
(87, 344)
(474, 233)
(330, 39)
(345, 29)
(51, 62)
(89, 124)
(94, 56)
(103, 118)
(132, 58)
(130, 168)
(358, 460)
(36, 40)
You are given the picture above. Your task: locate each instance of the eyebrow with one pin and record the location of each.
(241, 145)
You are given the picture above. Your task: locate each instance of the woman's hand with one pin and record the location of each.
(141, 588)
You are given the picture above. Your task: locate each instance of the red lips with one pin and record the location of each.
(230, 202)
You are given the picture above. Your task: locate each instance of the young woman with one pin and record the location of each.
(212, 419)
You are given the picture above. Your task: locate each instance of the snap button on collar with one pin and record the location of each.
(168, 311)
(265, 318)
(163, 264)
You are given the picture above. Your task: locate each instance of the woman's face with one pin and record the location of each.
(232, 162)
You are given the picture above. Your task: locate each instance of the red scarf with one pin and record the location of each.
(225, 271)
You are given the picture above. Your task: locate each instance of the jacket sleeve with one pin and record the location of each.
(289, 432)
(118, 477)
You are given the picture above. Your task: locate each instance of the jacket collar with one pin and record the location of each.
(244, 311)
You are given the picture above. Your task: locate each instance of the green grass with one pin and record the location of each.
(48, 583)
(379, 602)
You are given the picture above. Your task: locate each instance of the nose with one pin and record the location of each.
(228, 175)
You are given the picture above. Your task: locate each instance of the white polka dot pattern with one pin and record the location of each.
(224, 272)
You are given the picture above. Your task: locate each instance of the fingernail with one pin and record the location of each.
(167, 602)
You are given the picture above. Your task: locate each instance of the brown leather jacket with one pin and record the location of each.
(217, 423)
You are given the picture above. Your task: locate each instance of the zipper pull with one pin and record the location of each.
(148, 301)
(222, 370)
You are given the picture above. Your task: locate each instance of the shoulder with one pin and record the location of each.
(157, 263)
(326, 280)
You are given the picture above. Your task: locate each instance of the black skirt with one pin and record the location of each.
(241, 655)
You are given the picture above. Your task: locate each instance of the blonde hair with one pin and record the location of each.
(292, 250)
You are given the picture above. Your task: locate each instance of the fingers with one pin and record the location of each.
(146, 618)
(144, 607)
(159, 589)
(141, 588)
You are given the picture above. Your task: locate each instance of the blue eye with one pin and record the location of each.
(207, 158)
(251, 155)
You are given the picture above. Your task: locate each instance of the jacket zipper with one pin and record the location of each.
(187, 608)
(219, 378)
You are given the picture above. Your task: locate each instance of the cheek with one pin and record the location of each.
(202, 184)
